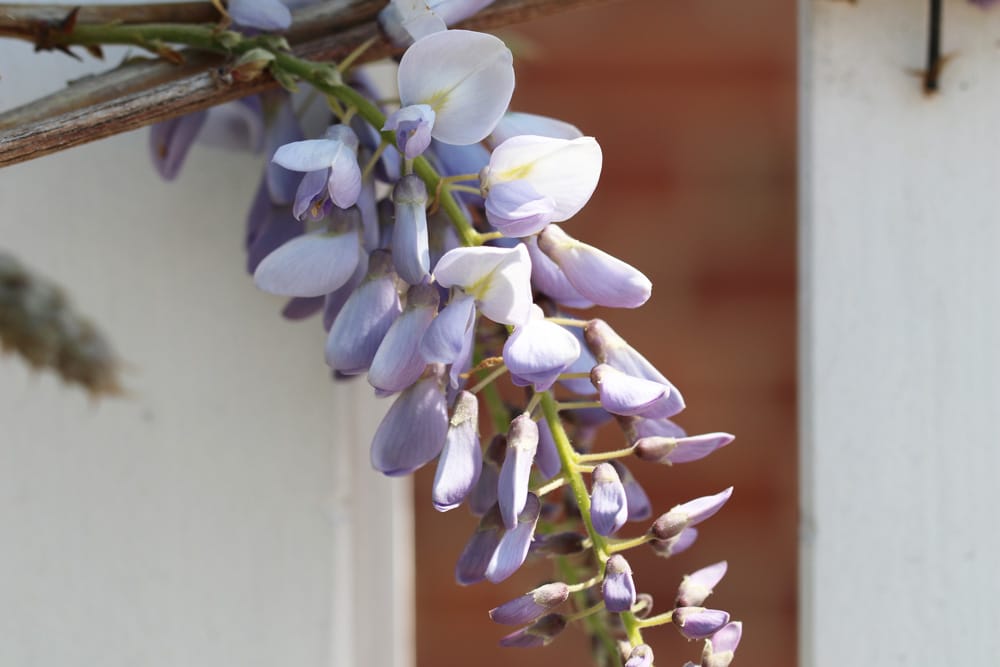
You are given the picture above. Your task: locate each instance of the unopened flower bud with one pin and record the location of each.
(676, 544)
(641, 656)
(513, 547)
(670, 450)
(251, 64)
(720, 648)
(698, 622)
(460, 462)
(608, 503)
(539, 633)
(618, 588)
(687, 514)
(696, 587)
(531, 605)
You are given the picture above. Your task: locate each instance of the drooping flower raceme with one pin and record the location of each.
(369, 234)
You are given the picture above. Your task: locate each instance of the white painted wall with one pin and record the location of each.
(900, 240)
(224, 512)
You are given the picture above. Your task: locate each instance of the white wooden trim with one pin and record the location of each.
(900, 337)
(224, 512)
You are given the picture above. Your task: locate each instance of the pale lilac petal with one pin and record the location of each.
(364, 320)
(618, 588)
(463, 362)
(728, 638)
(410, 244)
(531, 605)
(170, 141)
(515, 123)
(453, 11)
(475, 558)
(512, 488)
(697, 586)
(599, 277)
(513, 548)
(309, 265)
(335, 300)
(466, 77)
(656, 427)
(412, 126)
(548, 278)
(308, 155)
(311, 195)
(608, 503)
(516, 209)
(610, 348)
(275, 229)
(623, 394)
(658, 449)
(538, 351)
(262, 14)
(344, 183)
(398, 363)
(698, 622)
(413, 432)
(461, 461)
(567, 171)
(444, 339)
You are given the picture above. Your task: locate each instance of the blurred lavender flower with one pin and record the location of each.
(531, 605)
(406, 21)
(539, 633)
(696, 587)
(720, 647)
(516, 123)
(641, 656)
(270, 15)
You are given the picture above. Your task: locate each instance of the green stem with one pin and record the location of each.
(567, 456)
(659, 619)
(623, 545)
(605, 456)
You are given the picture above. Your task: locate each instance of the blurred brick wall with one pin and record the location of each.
(693, 102)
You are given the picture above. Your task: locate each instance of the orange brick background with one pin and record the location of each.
(693, 102)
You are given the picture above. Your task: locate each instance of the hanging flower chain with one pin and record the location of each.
(424, 230)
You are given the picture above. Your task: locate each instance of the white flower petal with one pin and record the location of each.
(308, 155)
(466, 77)
(567, 170)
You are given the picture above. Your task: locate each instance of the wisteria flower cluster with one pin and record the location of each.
(428, 232)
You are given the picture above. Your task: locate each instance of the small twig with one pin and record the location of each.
(934, 59)
(144, 93)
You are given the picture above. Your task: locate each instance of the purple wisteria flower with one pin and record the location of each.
(624, 394)
(640, 656)
(618, 588)
(513, 547)
(531, 605)
(533, 180)
(410, 244)
(406, 21)
(464, 78)
(596, 275)
(548, 278)
(516, 123)
(639, 506)
(312, 264)
(498, 278)
(414, 430)
(336, 152)
(676, 544)
(512, 488)
(412, 127)
(475, 559)
(461, 461)
(538, 351)
(484, 494)
(608, 503)
(397, 363)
